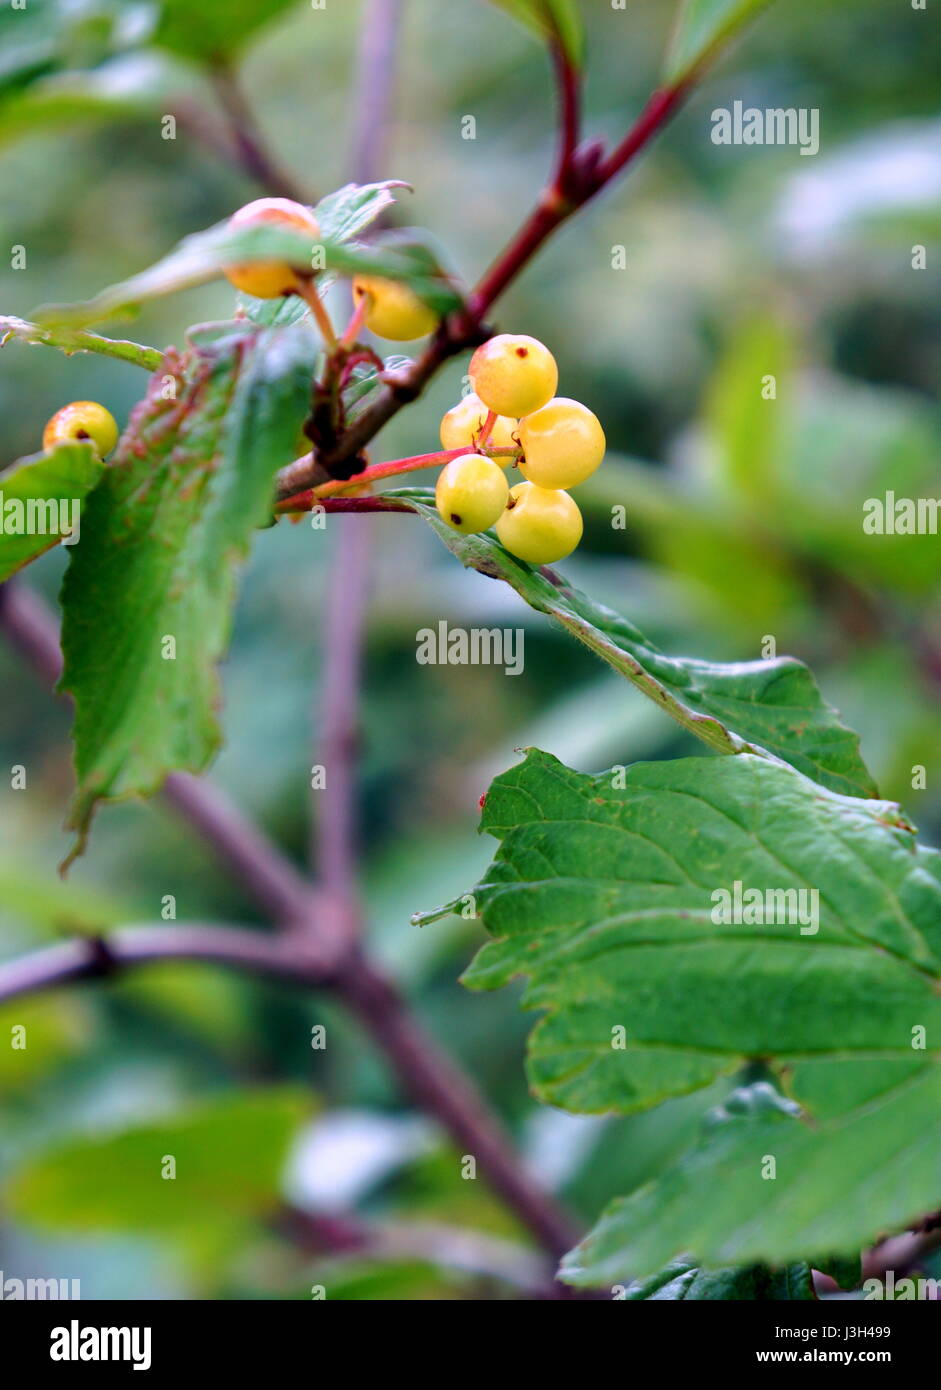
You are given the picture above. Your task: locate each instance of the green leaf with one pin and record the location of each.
(554, 20)
(54, 1029)
(40, 501)
(348, 211)
(76, 340)
(682, 1280)
(745, 706)
(124, 87)
(856, 1175)
(162, 540)
(747, 432)
(704, 26)
(845, 1270)
(228, 1154)
(365, 384)
(606, 893)
(220, 29)
(397, 255)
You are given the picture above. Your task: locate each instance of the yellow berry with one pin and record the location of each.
(461, 425)
(540, 525)
(563, 444)
(471, 493)
(393, 311)
(513, 375)
(82, 420)
(271, 279)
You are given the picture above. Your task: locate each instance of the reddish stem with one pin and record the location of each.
(654, 115)
(352, 329)
(486, 429)
(568, 86)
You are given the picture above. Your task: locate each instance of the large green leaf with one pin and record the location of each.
(855, 1176)
(745, 706)
(605, 895)
(40, 500)
(228, 1155)
(702, 27)
(162, 539)
(397, 255)
(556, 20)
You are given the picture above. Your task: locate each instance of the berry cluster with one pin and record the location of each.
(512, 415)
(556, 442)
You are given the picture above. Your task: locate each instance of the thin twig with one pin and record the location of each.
(336, 712)
(248, 140)
(451, 1248)
(568, 85)
(438, 1086)
(251, 952)
(373, 87)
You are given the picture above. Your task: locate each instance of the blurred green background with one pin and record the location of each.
(744, 521)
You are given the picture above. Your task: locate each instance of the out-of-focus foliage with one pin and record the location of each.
(743, 523)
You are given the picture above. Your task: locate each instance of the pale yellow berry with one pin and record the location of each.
(461, 425)
(513, 374)
(540, 525)
(393, 311)
(563, 444)
(471, 493)
(82, 421)
(271, 279)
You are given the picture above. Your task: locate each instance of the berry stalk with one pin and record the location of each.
(308, 292)
(376, 471)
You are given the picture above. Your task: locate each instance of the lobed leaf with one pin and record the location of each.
(605, 894)
(844, 1180)
(148, 594)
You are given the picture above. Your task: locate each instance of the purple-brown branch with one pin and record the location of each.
(250, 148)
